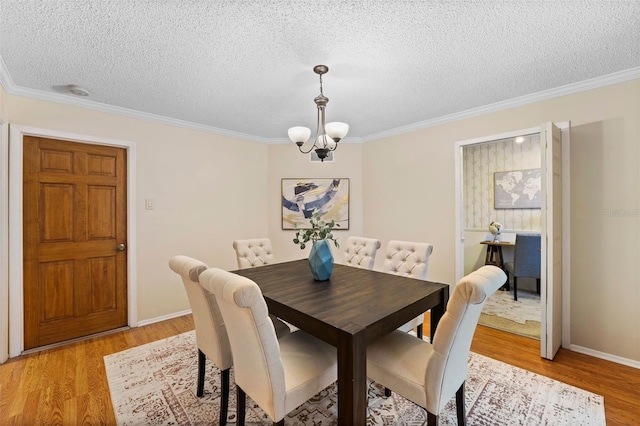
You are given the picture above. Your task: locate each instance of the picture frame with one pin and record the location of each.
(302, 197)
(517, 189)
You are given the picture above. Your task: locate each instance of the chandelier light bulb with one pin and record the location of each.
(324, 141)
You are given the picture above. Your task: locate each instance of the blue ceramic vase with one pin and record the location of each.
(321, 260)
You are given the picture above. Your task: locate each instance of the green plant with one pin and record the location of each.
(320, 230)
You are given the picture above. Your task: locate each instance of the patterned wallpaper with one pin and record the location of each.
(480, 162)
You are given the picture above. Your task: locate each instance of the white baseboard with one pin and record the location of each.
(606, 356)
(163, 318)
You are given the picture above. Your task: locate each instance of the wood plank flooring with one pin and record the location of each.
(618, 384)
(67, 385)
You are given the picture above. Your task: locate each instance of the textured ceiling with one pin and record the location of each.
(245, 67)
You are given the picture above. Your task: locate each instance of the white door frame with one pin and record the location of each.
(4, 241)
(459, 203)
(16, 311)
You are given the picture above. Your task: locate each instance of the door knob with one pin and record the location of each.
(120, 247)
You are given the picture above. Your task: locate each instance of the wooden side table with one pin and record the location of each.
(494, 255)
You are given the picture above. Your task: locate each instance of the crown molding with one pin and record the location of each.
(569, 89)
(5, 78)
(13, 89)
(618, 77)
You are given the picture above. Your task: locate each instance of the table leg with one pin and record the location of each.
(437, 312)
(500, 260)
(487, 256)
(494, 256)
(352, 379)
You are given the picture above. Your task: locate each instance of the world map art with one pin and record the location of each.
(518, 189)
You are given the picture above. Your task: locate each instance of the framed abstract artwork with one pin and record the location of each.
(517, 189)
(301, 198)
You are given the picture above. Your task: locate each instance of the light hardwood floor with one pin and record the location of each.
(68, 385)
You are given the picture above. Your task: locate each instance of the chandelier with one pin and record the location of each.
(327, 135)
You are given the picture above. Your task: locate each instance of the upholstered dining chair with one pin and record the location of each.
(253, 252)
(279, 375)
(211, 333)
(526, 261)
(431, 374)
(409, 259)
(360, 252)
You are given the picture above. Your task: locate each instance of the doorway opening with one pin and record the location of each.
(479, 161)
(502, 185)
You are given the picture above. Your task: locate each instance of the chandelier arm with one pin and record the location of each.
(306, 152)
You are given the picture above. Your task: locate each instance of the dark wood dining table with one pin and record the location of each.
(353, 308)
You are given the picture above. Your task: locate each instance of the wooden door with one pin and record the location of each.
(551, 241)
(74, 213)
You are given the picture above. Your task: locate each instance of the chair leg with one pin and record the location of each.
(419, 331)
(387, 392)
(241, 401)
(460, 405)
(224, 398)
(538, 285)
(515, 288)
(432, 419)
(202, 361)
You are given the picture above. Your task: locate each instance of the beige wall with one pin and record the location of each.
(208, 190)
(285, 161)
(414, 172)
(2, 109)
(211, 189)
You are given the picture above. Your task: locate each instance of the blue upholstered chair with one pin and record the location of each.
(526, 261)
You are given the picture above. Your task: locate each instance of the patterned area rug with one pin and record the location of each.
(520, 317)
(155, 384)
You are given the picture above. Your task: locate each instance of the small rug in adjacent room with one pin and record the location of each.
(520, 316)
(155, 384)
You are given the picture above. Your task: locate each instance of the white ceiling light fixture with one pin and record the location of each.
(77, 90)
(327, 135)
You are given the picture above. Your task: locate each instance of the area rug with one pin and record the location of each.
(155, 384)
(520, 316)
